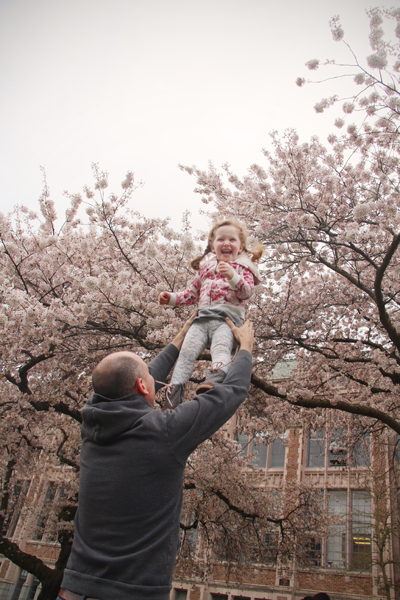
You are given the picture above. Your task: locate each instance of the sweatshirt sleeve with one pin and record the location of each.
(242, 283)
(190, 423)
(189, 296)
(161, 365)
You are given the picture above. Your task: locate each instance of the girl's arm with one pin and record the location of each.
(242, 283)
(189, 296)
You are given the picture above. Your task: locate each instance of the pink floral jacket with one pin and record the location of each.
(211, 290)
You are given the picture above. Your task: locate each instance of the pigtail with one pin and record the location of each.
(195, 263)
(256, 252)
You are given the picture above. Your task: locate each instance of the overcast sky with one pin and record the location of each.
(143, 85)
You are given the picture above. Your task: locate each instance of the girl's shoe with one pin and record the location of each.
(212, 378)
(204, 387)
(174, 395)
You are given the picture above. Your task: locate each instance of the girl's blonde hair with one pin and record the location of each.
(256, 251)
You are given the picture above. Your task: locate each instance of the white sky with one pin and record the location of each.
(147, 84)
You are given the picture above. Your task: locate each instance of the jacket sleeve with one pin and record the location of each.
(189, 296)
(161, 365)
(190, 423)
(242, 283)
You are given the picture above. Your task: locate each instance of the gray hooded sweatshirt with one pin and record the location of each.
(131, 483)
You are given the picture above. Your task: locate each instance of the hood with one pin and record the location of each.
(105, 420)
(245, 260)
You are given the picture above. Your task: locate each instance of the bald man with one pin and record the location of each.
(132, 466)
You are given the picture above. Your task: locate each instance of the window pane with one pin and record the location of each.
(18, 498)
(180, 594)
(270, 549)
(360, 453)
(313, 552)
(336, 542)
(361, 530)
(337, 448)
(243, 440)
(277, 459)
(259, 452)
(41, 522)
(316, 449)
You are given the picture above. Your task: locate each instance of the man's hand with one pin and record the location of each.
(178, 339)
(226, 270)
(244, 335)
(164, 297)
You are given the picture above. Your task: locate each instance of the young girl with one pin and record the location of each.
(226, 279)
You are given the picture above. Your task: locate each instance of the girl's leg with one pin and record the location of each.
(194, 343)
(221, 346)
(222, 340)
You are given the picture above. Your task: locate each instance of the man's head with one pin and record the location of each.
(121, 374)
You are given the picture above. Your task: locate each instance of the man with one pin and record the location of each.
(132, 465)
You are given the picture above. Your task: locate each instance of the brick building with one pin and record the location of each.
(342, 564)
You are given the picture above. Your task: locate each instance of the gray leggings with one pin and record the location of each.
(200, 334)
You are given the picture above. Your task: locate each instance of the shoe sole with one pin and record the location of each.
(204, 387)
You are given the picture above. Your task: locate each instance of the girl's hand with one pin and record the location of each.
(164, 297)
(226, 270)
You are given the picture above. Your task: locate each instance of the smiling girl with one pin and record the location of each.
(226, 278)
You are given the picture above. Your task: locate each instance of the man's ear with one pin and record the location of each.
(141, 387)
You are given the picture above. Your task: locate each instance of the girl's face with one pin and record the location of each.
(226, 243)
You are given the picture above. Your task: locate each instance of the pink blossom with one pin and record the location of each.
(377, 61)
(312, 64)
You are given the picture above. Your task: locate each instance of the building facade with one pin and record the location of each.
(345, 563)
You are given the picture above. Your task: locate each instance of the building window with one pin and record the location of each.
(243, 440)
(18, 498)
(361, 555)
(270, 547)
(18, 587)
(336, 543)
(180, 595)
(44, 513)
(263, 454)
(188, 535)
(32, 589)
(360, 454)
(313, 552)
(332, 450)
(219, 596)
(54, 498)
(353, 523)
(277, 454)
(316, 449)
(188, 541)
(337, 448)
(260, 452)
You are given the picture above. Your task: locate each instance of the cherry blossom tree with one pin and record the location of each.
(328, 217)
(71, 293)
